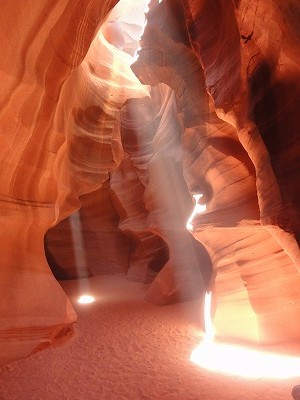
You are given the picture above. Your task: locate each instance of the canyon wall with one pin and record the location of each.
(209, 107)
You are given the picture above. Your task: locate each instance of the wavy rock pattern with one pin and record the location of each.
(59, 139)
(231, 156)
(89, 242)
(151, 134)
(220, 118)
(256, 110)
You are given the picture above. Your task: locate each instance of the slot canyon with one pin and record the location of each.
(149, 157)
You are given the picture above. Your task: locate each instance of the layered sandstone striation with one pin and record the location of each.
(60, 137)
(234, 152)
(209, 107)
(89, 242)
(256, 64)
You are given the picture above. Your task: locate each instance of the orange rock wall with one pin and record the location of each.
(220, 118)
(234, 152)
(46, 139)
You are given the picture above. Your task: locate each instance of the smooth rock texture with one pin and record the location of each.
(265, 254)
(233, 151)
(122, 138)
(59, 140)
(145, 357)
(89, 241)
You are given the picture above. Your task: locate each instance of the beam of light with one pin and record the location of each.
(86, 299)
(198, 209)
(240, 361)
(79, 257)
(78, 243)
(209, 328)
(245, 362)
(137, 52)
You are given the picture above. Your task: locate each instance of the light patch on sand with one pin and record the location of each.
(240, 361)
(244, 362)
(86, 299)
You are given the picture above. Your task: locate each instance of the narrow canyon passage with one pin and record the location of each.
(117, 120)
(127, 349)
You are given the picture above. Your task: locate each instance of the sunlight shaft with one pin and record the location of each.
(198, 209)
(244, 362)
(238, 360)
(146, 10)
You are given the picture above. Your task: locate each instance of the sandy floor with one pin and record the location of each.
(127, 349)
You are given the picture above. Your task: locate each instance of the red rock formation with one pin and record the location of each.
(88, 242)
(155, 151)
(221, 119)
(59, 139)
(245, 94)
(249, 227)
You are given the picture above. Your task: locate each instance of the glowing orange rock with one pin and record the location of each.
(253, 243)
(63, 83)
(235, 152)
(59, 139)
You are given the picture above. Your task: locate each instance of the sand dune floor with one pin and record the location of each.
(125, 348)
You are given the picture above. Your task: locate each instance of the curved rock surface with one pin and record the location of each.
(233, 151)
(89, 242)
(80, 128)
(59, 139)
(263, 254)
